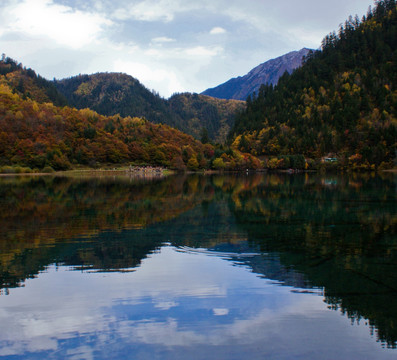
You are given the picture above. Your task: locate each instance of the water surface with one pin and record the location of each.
(200, 267)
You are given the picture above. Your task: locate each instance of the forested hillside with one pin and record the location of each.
(200, 115)
(342, 103)
(37, 135)
(28, 84)
(117, 93)
(114, 93)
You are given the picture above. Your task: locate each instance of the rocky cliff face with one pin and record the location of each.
(269, 72)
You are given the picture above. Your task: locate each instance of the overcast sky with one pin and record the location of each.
(168, 45)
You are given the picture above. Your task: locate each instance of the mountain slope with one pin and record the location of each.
(115, 93)
(40, 134)
(36, 134)
(28, 84)
(267, 73)
(342, 101)
(197, 112)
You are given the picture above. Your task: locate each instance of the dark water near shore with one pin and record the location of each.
(271, 266)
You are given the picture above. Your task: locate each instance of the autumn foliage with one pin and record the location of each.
(341, 103)
(38, 135)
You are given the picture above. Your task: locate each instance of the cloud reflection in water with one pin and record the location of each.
(177, 301)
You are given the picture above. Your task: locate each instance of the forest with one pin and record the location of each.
(118, 93)
(36, 135)
(340, 106)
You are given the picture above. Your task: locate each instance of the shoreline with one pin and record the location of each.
(152, 171)
(137, 170)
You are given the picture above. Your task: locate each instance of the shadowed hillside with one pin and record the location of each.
(341, 103)
(115, 93)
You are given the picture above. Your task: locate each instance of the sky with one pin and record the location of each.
(170, 46)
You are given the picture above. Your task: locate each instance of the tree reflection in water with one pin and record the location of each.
(336, 233)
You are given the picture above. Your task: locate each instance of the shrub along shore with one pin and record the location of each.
(271, 165)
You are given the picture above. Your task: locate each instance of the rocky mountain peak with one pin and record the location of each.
(266, 73)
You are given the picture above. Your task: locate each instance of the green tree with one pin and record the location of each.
(218, 164)
(204, 136)
(193, 164)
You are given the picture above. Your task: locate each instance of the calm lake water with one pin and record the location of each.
(271, 266)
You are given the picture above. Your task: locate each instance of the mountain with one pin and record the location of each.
(340, 104)
(197, 112)
(116, 93)
(267, 73)
(28, 84)
(37, 134)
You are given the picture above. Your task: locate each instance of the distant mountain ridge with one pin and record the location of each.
(113, 93)
(117, 93)
(29, 84)
(266, 73)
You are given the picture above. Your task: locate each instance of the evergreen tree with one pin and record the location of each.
(342, 100)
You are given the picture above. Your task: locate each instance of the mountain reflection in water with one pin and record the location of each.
(333, 237)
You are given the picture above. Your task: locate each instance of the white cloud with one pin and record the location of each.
(150, 75)
(217, 31)
(44, 19)
(220, 311)
(162, 39)
(146, 11)
(166, 70)
(165, 305)
(202, 51)
(310, 38)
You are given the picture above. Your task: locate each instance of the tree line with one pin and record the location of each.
(341, 103)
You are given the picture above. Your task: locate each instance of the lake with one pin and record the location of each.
(249, 266)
